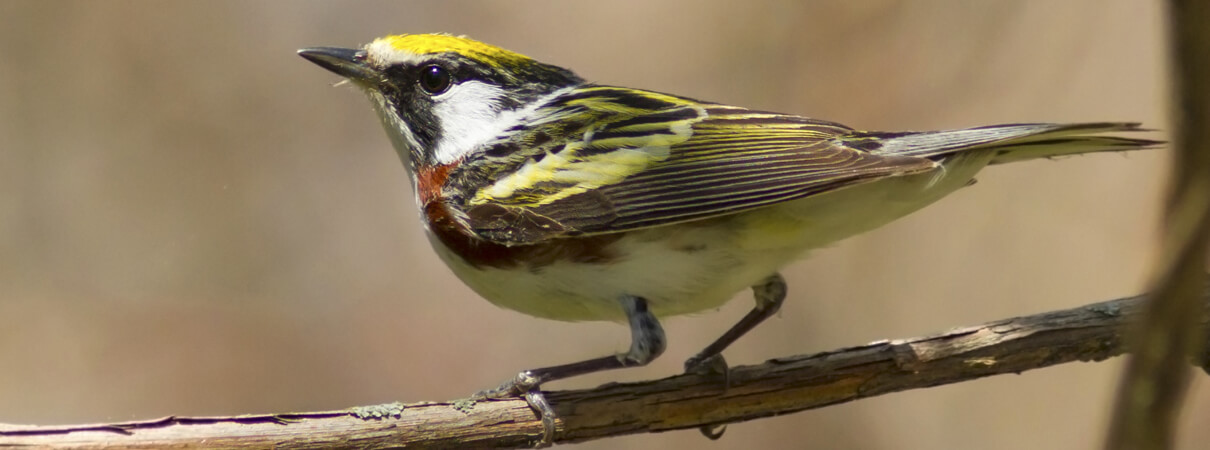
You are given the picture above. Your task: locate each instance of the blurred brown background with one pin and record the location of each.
(193, 221)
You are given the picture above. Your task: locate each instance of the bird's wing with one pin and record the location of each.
(670, 163)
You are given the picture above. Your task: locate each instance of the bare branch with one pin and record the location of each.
(1155, 380)
(1088, 333)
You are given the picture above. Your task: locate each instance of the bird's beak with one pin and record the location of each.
(346, 62)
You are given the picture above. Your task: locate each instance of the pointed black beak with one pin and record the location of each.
(346, 62)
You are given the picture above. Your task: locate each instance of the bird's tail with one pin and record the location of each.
(1015, 142)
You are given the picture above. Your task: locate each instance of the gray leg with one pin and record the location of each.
(647, 343)
(769, 295)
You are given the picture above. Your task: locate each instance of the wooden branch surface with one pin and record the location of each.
(779, 386)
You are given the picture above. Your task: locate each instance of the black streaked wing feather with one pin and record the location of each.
(734, 160)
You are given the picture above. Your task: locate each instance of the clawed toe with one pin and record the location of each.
(709, 366)
(537, 401)
(523, 383)
(713, 432)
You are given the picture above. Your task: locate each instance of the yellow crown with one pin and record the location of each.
(426, 44)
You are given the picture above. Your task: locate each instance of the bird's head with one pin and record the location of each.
(441, 97)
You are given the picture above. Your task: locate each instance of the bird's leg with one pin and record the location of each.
(769, 295)
(647, 343)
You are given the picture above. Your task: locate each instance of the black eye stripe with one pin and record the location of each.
(459, 70)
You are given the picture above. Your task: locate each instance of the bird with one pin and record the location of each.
(570, 200)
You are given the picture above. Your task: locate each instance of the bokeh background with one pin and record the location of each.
(193, 221)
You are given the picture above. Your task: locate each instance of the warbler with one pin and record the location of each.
(575, 201)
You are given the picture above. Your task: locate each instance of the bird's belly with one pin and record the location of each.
(678, 269)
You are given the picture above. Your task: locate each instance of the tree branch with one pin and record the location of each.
(779, 386)
(1155, 380)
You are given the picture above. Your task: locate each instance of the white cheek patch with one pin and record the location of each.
(470, 116)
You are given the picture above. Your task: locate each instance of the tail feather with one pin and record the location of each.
(1016, 142)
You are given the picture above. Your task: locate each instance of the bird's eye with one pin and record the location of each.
(435, 79)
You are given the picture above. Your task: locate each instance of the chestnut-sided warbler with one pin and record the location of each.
(575, 201)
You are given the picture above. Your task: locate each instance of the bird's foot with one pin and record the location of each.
(711, 366)
(526, 385)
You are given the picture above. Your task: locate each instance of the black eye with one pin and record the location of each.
(434, 79)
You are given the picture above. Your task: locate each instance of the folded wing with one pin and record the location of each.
(683, 161)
